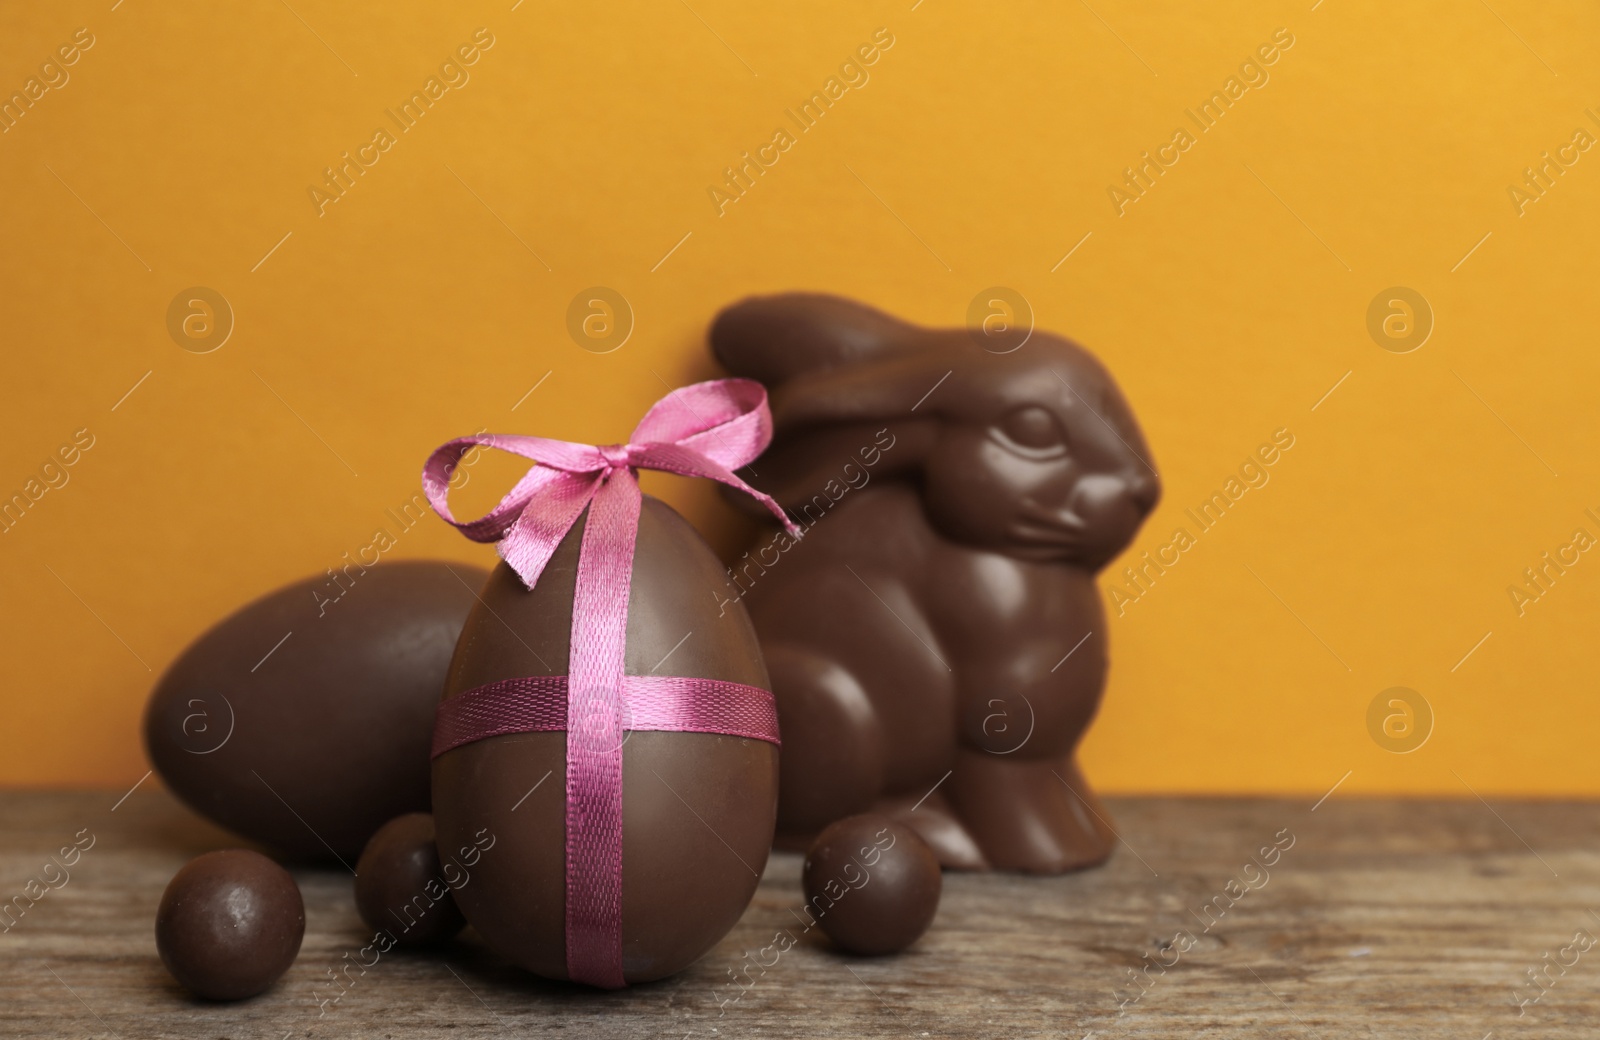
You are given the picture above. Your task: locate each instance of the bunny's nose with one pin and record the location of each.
(1144, 491)
(1115, 498)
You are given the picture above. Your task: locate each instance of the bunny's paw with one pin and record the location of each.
(1051, 821)
(932, 818)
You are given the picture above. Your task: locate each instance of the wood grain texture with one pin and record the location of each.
(1383, 918)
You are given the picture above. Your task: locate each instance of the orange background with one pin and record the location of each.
(1228, 300)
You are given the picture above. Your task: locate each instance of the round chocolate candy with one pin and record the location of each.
(872, 884)
(303, 720)
(403, 889)
(230, 924)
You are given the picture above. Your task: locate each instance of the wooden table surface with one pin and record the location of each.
(1376, 918)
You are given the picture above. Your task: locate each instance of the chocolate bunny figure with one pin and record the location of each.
(936, 640)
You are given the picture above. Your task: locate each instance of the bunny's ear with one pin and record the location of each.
(777, 338)
(901, 388)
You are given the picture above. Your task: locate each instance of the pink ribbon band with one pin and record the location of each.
(538, 704)
(705, 430)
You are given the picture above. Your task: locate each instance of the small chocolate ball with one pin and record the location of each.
(872, 884)
(401, 887)
(230, 923)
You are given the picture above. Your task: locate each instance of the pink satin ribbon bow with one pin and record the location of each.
(705, 430)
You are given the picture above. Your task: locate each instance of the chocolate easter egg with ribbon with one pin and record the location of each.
(605, 763)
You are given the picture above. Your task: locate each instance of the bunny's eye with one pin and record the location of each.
(1033, 431)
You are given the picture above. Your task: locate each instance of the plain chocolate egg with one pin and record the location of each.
(872, 884)
(698, 808)
(229, 924)
(403, 889)
(304, 720)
